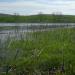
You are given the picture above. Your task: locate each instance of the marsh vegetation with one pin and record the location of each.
(42, 52)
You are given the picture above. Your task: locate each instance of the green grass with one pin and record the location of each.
(45, 50)
(43, 18)
(8, 27)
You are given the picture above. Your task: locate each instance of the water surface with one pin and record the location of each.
(21, 29)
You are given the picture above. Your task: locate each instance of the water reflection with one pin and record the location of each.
(21, 30)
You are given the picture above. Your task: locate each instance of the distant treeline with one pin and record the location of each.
(38, 18)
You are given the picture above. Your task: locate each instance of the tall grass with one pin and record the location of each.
(44, 53)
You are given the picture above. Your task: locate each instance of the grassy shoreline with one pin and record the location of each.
(45, 51)
(43, 18)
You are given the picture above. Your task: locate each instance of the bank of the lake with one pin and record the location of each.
(43, 18)
(46, 52)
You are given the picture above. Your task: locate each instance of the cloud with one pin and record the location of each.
(35, 6)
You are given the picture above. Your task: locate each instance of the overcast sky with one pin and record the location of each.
(28, 7)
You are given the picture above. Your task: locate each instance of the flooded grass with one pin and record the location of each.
(49, 52)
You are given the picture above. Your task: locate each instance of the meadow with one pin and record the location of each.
(43, 53)
(39, 18)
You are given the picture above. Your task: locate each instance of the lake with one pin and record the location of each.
(18, 30)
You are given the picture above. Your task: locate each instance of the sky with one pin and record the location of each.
(30, 7)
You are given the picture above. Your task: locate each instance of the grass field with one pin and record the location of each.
(43, 18)
(45, 53)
